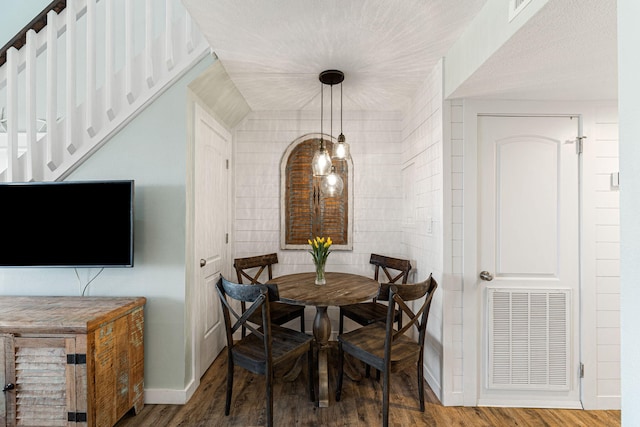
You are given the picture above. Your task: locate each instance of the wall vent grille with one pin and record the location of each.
(516, 6)
(529, 337)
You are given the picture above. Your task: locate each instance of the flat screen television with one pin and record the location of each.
(66, 224)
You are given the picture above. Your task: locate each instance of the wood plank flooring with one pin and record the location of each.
(360, 406)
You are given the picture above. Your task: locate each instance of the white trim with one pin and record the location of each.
(470, 334)
(588, 287)
(447, 390)
(431, 379)
(528, 403)
(165, 396)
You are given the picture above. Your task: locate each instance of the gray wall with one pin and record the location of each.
(152, 151)
(16, 15)
(629, 109)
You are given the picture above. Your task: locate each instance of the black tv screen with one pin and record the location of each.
(66, 224)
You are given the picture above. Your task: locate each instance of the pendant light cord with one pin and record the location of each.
(321, 113)
(331, 115)
(340, 108)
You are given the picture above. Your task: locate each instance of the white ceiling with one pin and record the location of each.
(274, 50)
(567, 51)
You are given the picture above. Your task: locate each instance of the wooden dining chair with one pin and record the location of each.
(387, 349)
(396, 270)
(267, 345)
(281, 313)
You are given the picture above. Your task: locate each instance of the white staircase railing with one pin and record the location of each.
(84, 76)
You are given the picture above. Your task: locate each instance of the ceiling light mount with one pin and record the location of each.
(331, 77)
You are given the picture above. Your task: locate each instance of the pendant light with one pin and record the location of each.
(341, 149)
(321, 163)
(331, 184)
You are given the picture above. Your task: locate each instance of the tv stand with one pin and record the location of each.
(71, 359)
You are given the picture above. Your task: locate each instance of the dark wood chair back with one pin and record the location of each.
(252, 270)
(261, 262)
(398, 296)
(258, 296)
(394, 269)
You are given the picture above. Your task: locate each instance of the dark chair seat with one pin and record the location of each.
(396, 270)
(286, 344)
(368, 342)
(366, 313)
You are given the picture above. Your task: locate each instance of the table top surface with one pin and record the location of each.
(340, 289)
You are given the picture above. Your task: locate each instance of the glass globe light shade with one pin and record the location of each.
(321, 163)
(332, 184)
(341, 148)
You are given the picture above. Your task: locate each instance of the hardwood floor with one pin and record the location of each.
(360, 406)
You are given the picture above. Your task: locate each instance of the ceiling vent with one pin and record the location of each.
(516, 6)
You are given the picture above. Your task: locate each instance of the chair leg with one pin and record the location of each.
(227, 406)
(269, 408)
(421, 384)
(341, 327)
(367, 371)
(385, 398)
(302, 323)
(340, 371)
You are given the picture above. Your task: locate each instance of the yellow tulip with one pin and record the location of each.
(310, 242)
(329, 242)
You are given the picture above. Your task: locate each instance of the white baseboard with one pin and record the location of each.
(609, 402)
(452, 399)
(524, 403)
(432, 381)
(164, 396)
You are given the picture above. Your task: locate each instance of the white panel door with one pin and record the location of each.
(528, 260)
(212, 148)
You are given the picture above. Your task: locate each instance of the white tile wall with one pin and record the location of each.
(607, 260)
(457, 170)
(376, 148)
(422, 148)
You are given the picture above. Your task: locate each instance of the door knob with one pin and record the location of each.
(203, 262)
(8, 387)
(485, 275)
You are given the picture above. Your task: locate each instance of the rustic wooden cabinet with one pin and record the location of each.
(70, 361)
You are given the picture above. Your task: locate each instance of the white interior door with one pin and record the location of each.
(528, 260)
(212, 198)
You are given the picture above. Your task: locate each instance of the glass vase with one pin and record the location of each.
(320, 274)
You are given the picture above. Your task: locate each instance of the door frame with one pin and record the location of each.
(191, 263)
(471, 335)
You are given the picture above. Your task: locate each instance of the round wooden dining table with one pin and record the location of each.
(340, 289)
